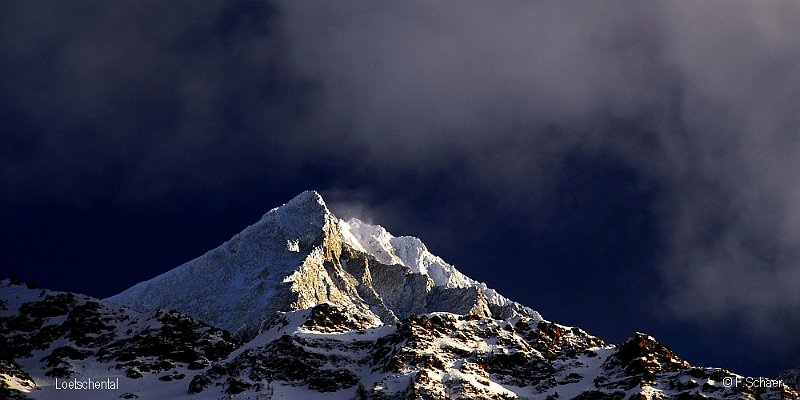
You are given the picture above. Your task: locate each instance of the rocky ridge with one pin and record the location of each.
(452, 356)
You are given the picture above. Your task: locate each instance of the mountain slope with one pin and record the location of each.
(327, 309)
(326, 353)
(300, 255)
(319, 353)
(47, 335)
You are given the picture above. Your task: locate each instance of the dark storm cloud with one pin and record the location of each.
(129, 101)
(709, 92)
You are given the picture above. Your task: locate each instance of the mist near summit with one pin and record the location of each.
(710, 95)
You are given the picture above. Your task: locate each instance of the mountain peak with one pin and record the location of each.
(310, 199)
(299, 255)
(306, 205)
(302, 216)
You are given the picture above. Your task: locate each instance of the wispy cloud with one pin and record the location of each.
(702, 96)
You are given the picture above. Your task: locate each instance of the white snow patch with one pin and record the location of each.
(410, 252)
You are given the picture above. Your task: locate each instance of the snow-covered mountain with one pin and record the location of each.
(327, 309)
(300, 255)
(324, 352)
(45, 336)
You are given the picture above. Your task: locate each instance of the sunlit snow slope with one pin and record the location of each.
(300, 255)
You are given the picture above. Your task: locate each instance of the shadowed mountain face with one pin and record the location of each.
(328, 309)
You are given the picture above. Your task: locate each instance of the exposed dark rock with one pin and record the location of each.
(50, 306)
(331, 380)
(236, 386)
(329, 318)
(198, 384)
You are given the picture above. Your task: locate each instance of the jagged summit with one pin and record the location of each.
(300, 255)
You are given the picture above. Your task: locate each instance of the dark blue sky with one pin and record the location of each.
(626, 171)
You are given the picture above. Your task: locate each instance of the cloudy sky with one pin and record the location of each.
(617, 166)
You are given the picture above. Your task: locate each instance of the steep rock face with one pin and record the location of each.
(300, 255)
